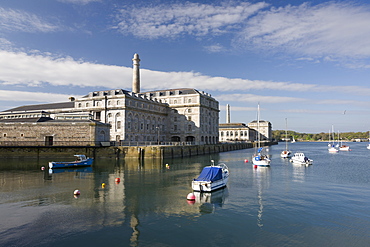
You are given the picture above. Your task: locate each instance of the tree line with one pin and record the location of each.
(279, 135)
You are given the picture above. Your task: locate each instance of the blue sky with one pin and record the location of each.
(307, 61)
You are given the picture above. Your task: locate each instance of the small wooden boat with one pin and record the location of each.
(301, 159)
(81, 160)
(211, 178)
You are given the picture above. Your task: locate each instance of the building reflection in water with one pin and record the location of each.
(146, 187)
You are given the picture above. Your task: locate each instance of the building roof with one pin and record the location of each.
(25, 120)
(44, 107)
(232, 126)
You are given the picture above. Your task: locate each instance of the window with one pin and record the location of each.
(189, 110)
(189, 100)
(189, 118)
(118, 124)
(189, 127)
(175, 127)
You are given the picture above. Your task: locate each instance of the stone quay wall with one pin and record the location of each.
(137, 152)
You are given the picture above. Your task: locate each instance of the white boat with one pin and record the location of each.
(332, 147)
(293, 141)
(300, 159)
(211, 178)
(286, 153)
(260, 159)
(343, 147)
(368, 146)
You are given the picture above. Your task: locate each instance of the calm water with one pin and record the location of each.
(326, 204)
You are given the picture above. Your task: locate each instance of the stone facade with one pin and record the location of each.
(265, 129)
(172, 115)
(45, 131)
(232, 132)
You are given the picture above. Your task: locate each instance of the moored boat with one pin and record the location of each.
(286, 153)
(261, 160)
(211, 178)
(344, 147)
(81, 160)
(300, 158)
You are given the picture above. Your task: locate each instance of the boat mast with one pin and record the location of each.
(286, 134)
(258, 126)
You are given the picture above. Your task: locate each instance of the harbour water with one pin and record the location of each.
(326, 204)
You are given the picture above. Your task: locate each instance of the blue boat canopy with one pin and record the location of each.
(260, 149)
(210, 173)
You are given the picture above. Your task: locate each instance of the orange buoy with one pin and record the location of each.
(103, 185)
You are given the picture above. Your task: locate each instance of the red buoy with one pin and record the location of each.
(191, 197)
(255, 166)
(77, 192)
(118, 180)
(246, 161)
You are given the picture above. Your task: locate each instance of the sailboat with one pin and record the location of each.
(260, 159)
(293, 141)
(332, 148)
(286, 153)
(368, 145)
(343, 146)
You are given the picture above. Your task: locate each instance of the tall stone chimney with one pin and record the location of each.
(136, 74)
(227, 113)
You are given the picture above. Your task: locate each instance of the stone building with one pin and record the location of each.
(265, 129)
(38, 129)
(172, 115)
(231, 132)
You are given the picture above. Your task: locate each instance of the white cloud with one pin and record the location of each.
(185, 18)
(329, 29)
(18, 20)
(81, 2)
(214, 48)
(257, 98)
(36, 69)
(11, 95)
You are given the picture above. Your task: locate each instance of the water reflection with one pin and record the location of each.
(261, 177)
(210, 201)
(299, 172)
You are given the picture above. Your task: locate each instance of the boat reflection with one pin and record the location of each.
(79, 172)
(210, 201)
(262, 181)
